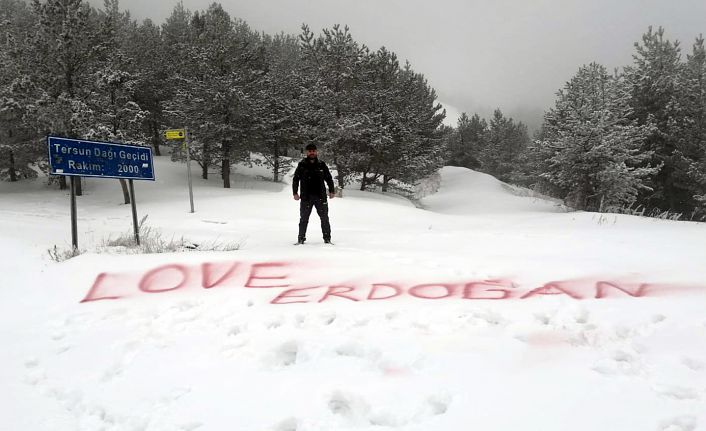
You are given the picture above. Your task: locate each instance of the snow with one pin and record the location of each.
(227, 357)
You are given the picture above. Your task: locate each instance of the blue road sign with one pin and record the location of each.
(83, 158)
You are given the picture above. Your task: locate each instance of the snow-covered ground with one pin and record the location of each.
(483, 311)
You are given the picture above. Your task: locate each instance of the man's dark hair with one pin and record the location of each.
(310, 147)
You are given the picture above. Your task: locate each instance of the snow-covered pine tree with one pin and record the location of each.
(691, 150)
(379, 97)
(418, 139)
(147, 48)
(470, 138)
(278, 104)
(217, 88)
(116, 115)
(64, 58)
(592, 148)
(20, 144)
(332, 68)
(179, 34)
(654, 84)
(504, 142)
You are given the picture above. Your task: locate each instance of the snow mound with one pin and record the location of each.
(467, 192)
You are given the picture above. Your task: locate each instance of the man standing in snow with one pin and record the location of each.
(312, 173)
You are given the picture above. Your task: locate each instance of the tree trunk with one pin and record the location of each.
(225, 170)
(126, 193)
(205, 157)
(276, 169)
(225, 165)
(276, 164)
(13, 174)
(155, 138)
(385, 182)
(340, 178)
(364, 181)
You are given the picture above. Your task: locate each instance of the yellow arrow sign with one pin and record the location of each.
(175, 134)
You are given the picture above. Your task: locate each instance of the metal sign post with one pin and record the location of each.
(75, 157)
(74, 217)
(135, 227)
(183, 135)
(188, 170)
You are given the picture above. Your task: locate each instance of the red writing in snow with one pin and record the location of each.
(291, 287)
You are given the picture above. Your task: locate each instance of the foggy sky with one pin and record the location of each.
(477, 54)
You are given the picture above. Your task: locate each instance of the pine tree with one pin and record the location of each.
(279, 104)
(691, 150)
(471, 136)
(116, 115)
(504, 142)
(216, 92)
(380, 98)
(19, 139)
(398, 135)
(147, 48)
(654, 84)
(65, 53)
(592, 149)
(418, 136)
(332, 66)
(179, 37)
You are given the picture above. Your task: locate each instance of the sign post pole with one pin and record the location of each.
(188, 169)
(74, 218)
(183, 136)
(134, 213)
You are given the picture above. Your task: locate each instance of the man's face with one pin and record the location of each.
(311, 154)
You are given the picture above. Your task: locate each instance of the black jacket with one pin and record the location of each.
(312, 174)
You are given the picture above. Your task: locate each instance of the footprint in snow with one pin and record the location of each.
(31, 362)
(234, 331)
(299, 320)
(349, 407)
(385, 419)
(35, 375)
(677, 392)
(274, 323)
(186, 305)
(693, 364)
(190, 426)
(582, 316)
(679, 423)
(58, 336)
(356, 350)
(619, 363)
(286, 354)
(439, 404)
(658, 318)
(543, 318)
(356, 410)
(290, 424)
(328, 318)
(492, 318)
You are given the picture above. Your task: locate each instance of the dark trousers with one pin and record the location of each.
(305, 206)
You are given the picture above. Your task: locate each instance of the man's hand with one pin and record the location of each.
(296, 197)
(331, 195)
